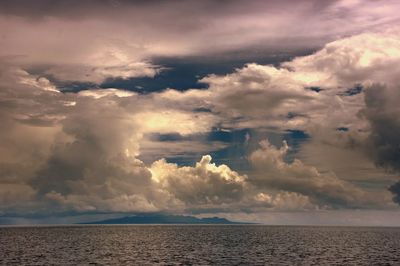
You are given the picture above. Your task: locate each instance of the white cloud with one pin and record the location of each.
(106, 92)
(98, 72)
(264, 95)
(364, 58)
(283, 201)
(174, 121)
(84, 158)
(258, 96)
(202, 185)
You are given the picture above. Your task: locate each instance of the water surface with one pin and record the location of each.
(199, 245)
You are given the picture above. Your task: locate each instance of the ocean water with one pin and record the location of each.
(199, 245)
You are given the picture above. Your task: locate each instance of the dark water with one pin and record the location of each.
(199, 245)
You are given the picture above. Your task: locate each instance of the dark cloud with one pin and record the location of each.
(353, 91)
(59, 8)
(321, 188)
(209, 27)
(395, 189)
(382, 111)
(86, 8)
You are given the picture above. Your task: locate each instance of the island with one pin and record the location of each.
(164, 219)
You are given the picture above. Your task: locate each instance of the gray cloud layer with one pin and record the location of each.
(90, 41)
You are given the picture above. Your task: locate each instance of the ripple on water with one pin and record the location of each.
(199, 245)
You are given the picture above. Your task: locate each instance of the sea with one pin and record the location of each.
(199, 245)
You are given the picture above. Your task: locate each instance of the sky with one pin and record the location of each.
(277, 112)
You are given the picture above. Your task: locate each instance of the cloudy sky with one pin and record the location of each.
(280, 112)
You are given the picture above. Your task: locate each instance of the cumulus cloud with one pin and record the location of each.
(49, 144)
(284, 201)
(309, 91)
(184, 122)
(79, 151)
(207, 186)
(29, 117)
(325, 188)
(266, 87)
(360, 59)
(343, 96)
(88, 161)
(370, 59)
(203, 184)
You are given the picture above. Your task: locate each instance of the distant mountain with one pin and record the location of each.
(164, 219)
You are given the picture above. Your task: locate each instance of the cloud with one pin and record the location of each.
(15, 197)
(361, 59)
(266, 95)
(100, 71)
(383, 142)
(93, 166)
(265, 86)
(381, 109)
(87, 161)
(76, 152)
(259, 96)
(322, 188)
(208, 187)
(203, 184)
(283, 201)
(90, 41)
(184, 122)
(29, 115)
(79, 151)
(395, 189)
